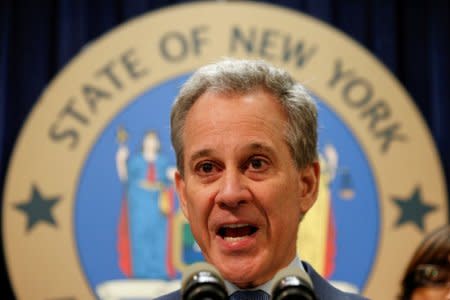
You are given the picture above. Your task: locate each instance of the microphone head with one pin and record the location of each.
(292, 283)
(202, 281)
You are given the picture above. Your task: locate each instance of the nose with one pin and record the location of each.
(232, 191)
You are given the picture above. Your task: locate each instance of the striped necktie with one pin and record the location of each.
(249, 295)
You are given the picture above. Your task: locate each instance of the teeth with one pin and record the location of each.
(234, 239)
(235, 225)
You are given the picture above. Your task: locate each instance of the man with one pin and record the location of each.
(245, 137)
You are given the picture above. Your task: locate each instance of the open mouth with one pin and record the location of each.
(235, 232)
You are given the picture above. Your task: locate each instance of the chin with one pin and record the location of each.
(240, 272)
(241, 280)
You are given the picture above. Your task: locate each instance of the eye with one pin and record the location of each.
(206, 168)
(257, 164)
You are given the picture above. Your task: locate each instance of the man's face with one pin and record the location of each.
(241, 190)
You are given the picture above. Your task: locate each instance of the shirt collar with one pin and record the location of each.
(266, 287)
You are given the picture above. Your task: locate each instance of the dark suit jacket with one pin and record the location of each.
(324, 290)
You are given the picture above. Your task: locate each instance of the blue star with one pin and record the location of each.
(38, 209)
(413, 209)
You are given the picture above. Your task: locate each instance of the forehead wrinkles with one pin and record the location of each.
(221, 116)
(258, 105)
(225, 129)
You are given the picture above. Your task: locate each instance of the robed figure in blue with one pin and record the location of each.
(144, 241)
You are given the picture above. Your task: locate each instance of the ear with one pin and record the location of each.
(309, 185)
(180, 186)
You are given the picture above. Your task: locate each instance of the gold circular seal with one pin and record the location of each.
(383, 188)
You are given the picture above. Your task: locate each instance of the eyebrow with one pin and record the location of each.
(261, 147)
(200, 153)
(256, 146)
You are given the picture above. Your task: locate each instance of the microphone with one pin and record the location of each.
(292, 283)
(202, 281)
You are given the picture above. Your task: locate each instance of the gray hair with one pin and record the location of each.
(235, 76)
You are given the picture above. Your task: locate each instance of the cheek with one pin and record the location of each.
(285, 199)
(199, 205)
(430, 293)
(282, 207)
